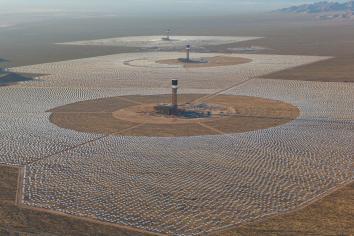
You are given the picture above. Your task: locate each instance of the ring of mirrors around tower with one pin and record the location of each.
(176, 115)
(155, 115)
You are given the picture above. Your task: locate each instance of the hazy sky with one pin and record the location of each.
(151, 7)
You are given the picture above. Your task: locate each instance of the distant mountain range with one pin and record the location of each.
(320, 7)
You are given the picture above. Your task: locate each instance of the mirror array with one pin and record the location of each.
(183, 185)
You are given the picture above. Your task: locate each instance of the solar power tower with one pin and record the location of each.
(168, 34)
(188, 50)
(174, 95)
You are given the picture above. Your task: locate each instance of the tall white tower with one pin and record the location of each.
(174, 95)
(188, 50)
(168, 34)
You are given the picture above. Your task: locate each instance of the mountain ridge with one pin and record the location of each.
(320, 7)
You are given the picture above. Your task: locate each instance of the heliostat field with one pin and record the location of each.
(176, 184)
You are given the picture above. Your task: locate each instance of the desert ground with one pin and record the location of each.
(73, 161)
(122, 116)
(207, 62)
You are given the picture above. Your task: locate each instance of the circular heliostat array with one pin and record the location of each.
(136, 115)
(82, 165)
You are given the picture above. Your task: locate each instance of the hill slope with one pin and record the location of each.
(320, 7)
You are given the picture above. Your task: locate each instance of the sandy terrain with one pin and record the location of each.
(122, 116)
(336, 69)
(281, 34)
(211, 62)
(326, 39)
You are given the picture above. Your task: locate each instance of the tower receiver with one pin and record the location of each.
(188, 50)
(168, 35)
